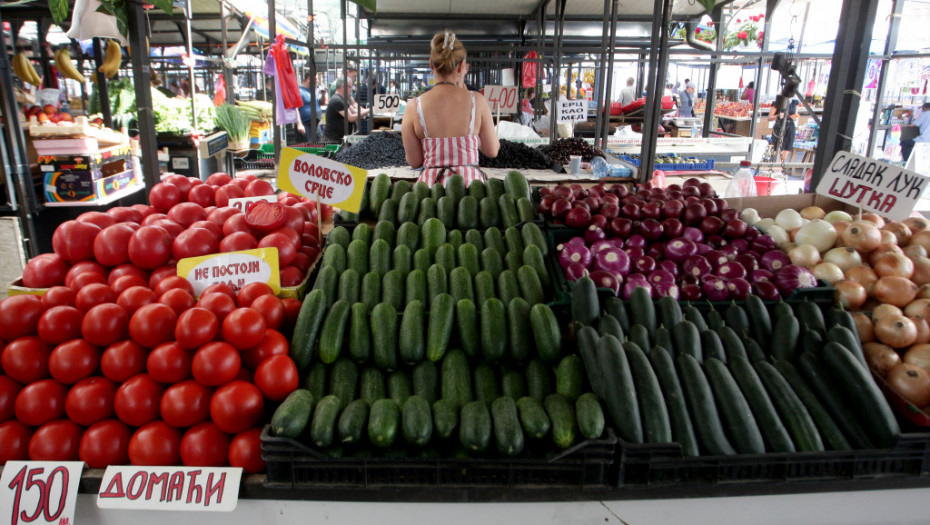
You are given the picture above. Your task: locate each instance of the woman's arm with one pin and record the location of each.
(487, 136)
(413, 148)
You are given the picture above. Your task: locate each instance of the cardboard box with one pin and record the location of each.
(104, 163)
(82, 186)
(770, 206)
(16, 288)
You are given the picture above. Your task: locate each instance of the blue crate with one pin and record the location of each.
(698, 166)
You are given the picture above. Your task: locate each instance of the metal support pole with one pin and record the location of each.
(849, 64)
(770, 6)
(658, 54)
(228, 72)
(893, 26)
(611, 47)
(190, 67)
(140, 77)
(711, 98)
(602, 68)
(346, 92)
(102, 91)
(275, 128)
(557, 51)
(314, 118)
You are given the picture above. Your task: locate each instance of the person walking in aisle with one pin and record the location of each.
(307, 122)
(338, 111)
(628, 94)
(787, 127)
(923, 124)
(687, 100)
(444, 128)
(749, 93)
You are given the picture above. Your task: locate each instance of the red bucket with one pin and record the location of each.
(765, 185)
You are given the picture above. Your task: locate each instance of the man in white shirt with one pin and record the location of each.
(923, 124)
(628, 94)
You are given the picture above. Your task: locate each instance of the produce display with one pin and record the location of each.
(665, 158)
(173, 115)
(518, 156)
(677, 244)
(559, 150)
(378, 150)
(746, 380)
(47, 113)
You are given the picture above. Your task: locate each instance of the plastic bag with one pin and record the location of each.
(290, 88)
(87, 23)
(531, 69)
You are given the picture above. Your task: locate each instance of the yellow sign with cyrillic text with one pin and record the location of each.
(235, 269)
(321, 179)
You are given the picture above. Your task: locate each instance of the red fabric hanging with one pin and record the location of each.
(290, 88)
(219, 97)
(530, 68)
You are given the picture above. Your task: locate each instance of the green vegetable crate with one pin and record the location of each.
(291, 464)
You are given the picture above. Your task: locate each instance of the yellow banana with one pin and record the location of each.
(111, 61)
(66, 65)
(18, 67)
(29, 72)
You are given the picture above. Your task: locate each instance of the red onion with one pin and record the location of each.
(729, 214)
(661, 276)
(694, 213)
(673, 187)
(593, 203)
(735, 228)
(594, 234)
(562, 192)
(605, 279)
(574, 271)
(763, 243)
(630, 211)
(692, 198)
(620, 190)
(621, 227)
(748, 261)
(706, 189)
(693, 234)
(544, 191)
(752, 234)
(560, 208)
(610, 209)
(573, 253)
(652, 211)
(545, 205)
(578, 216)
(635, 252)
(666, 290)
(731, 252)
(669, 267)
(715, 288)
(710, 206)
(775, 260)
(690, 292)
(597, 190)
(656, 250)
(731, 270)
(792, 277)
(644, 264)
(577, 240)
(697, 266)
(673, 209)
(657, 193)
(761, 275)
(672, 228)
(613, 260)
(691, 182)
(716, 258)
(767, 291)
(717, 241)
(741, 245)
(678, 250)
(711, 225)
(703, 248)
(599, 220)
(629, 286)
(635, 241)
(722, 204)
(600, 245)
(689, 279)
(739, 288)
(578, 190)
(650, 229)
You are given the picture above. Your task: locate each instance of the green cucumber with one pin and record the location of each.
(702, 407)
(811, 341)
(339, 236)
(640, 336)
(587, 340)
(774, 433)
(795, 416)
(399, 387)
(663, 338)
(349, 286)
(442, 308)
(475, 426)
(849, 339)
(619, 390)
(416, 289)
(538, 380)
(371, 385)
(357, 254)
(467, 213)
(533, 417)
(484, 287)
(466, 320)
(546, 332)
(760, 322)
(495, 188)
(335, 255)
(402, 259)
(445, 257)
(456, 238)
(486, 386)
(753, 349)
(491, 262)
(393, 288)
(732, 344)
(343, 380)
(513, 384)
(388, 211)
(516, 185)
(533, 258)
(323, 424)
(468, 258)
(379, 257)
(477, 190)
(455, 188)
(290, 418)
(417, 421)
(333, 332)
(421, 190)
(309, 320)
(445, 211)
(489, 214)
(736, 318)
(460, 284)
(383, 422)
(531, 287)
(569, 376)
(668, 311)
(493, 238)
(829, 430)
(525, 210)
(687, 340)
(785, 338)
(411, 343)
(690, 313)
(425, 379)
(608, 325)
(562, 418)
(533, 235)
(400, 188)
(408, 208)
(735, 412)
(642, 309)
(508, 288)
(811, 316)
(475, 238)
(821, 381)
(715, 320)
(711, 346)
(437, 191)
(493, 329)
(590, 416)
(370, 293)
(408, 234)
(352, 422)
(432, 235)
(315, 381)
(657, 427)
(508, 434)
(384, 344)
(519, 333)
(513, 261)
(615, 307)
(680, 420)
(437, 281)
(508, 211)
(514, 240)
(445, 418)
(379, 192)
(837, 315)
(427, 210)
(422, 260)
(359, 333)
(385, 231)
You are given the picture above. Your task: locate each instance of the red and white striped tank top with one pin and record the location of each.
(444, 156)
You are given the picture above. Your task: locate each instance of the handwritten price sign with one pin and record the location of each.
(39, 492)
(386, 104)
(503, 98)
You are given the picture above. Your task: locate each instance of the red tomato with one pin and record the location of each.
(150, 247)
(276, 377)
(237, 223)
(84, 267)
(137, 400)
(220, 215)
(25, 359)
(122, 360)
(311, 229)
(111, 246)
(105, 443)
(183, 183)
(258, 188)
(205, 445)
(171, 282)
(40, 402)
(99, 218)
(152, 325)
(105, 324)
(286, 249)
(163, 196)
(72, 361)
(14, 441)
(58, 296)
(9, 389)
(196, 327)
(125, 214)
(245, 451)
(178, 300)
(136, 297)
(169, 363)
(219, 303)
(152, 217)
(59, 324)
(291, 276)
(174, 229)
(19, 315)
(215, 364)
(186, 403)
(271, 309)
(157, 443)
(202, 194)
(56, 441)
(126, 269)
(219, 178)
(160, 274)
(302, 262)
(186, 213)
(90, 400)
(291, 311)
(295, 219)
(44, 271)
(245, 375)
(219, 287)
(93, 294)
(327, 212)
(243, 328)
(252, 291)
(144, 209)
(74, 240)
(237, 242)
(241, 182)
(224, 193)
(307, 240)
(215, 229)
(312, 252)
(236, 406)
(274, 343)
(121, 284)
(291, 234)
(194, 242)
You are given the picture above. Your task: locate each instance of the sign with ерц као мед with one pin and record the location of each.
(872, 185)
(572, 111)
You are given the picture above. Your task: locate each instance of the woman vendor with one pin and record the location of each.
(444, 128)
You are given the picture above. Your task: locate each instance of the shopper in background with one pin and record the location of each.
(306, 122)
(686, 94)
(787, 141)
(351, 73)
(338, 112)
(749, 93)
(923, 125)
(628, 94)
(392, 88)
(444, 128)
(526, 106)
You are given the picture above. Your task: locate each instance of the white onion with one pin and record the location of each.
(813, 212)
(789, 219)
(779, 235)
(750, 216)
(828, 272)
(818, 233)
(765, 224)
(805, 255)
(837, 215)
(844, 257)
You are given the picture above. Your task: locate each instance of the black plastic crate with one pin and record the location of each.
(658, 465)
(291, 464)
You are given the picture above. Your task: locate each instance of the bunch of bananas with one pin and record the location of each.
(24, 70)
(66, 66)
(112, 60)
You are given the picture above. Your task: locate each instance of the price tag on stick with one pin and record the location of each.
(39, 492)
(502, 98)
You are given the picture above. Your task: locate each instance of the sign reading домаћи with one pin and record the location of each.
(321, 179)
(872, 185)
(170, 488)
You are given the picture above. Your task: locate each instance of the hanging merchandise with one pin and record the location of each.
(88, 21)
(531, 69)
(282, 115)
(290, 88)
(220, 91)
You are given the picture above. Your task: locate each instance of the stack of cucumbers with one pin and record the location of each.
(746, 380)
(501, 203)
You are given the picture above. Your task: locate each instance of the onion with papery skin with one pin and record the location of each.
(880, 357)
(715, 288)
(923, 330)
(789, 219)
(896, 331)
(765, 224)
(804, 255)
(918, 308)
(850, 294)
(774, 260)
(864, 275)
(888, 238)
(697, 266)
(845, 257)
(594, 234)
(828, 272)
(818, 233)
(573, 253)
(666, 290)
(602, 244)
(921, 275)
(896, 291)
(918, 355)
(779, 235)
(669, 267)
(612, 260)
(837, 215)
(605, 279)
(900, 230)
(840, 227)
(629, 286)
(922, 238)
(885, 310)
(864, 326)
(813, 212)
(762, 275)
(574, 271)
(882, 249)
(678, 250)
(731, 270)
(792, 277)
(763, 243)
(894, 264)
(874, 218)
(911, 382)
(739, 288)
(750, 216)
(915, 250)
(862, 236)
(766, 290)
(923, 292)
(917, 223)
